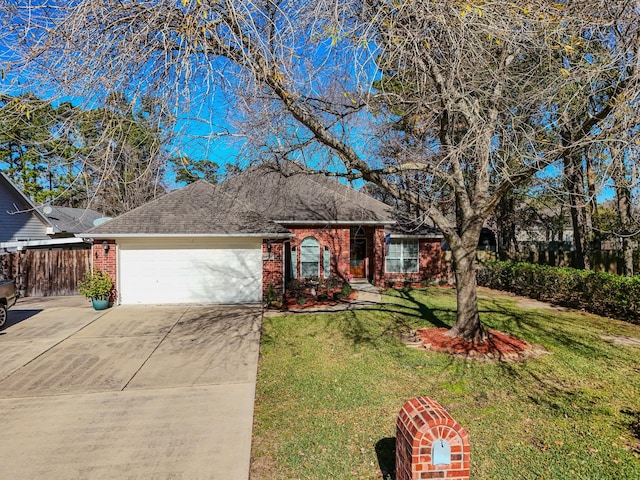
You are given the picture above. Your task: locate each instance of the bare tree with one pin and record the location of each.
(122, 147)
(444, 105)
(623, 172)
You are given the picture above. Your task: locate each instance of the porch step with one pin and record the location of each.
(362, 285)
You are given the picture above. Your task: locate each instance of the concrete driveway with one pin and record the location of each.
(144, 392)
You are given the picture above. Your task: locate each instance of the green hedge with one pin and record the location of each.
(597, 292)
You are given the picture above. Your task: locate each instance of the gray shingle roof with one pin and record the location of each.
(70, 220)
(306, 198)
(197, 209)
(255, 202)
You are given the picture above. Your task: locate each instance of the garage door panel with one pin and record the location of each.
(194, 275)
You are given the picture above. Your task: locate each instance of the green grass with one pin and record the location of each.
(331, 385)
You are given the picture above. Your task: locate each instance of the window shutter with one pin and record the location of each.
(294, 262)
(327, 262)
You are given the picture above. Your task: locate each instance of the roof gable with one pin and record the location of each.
(197, 209)
(297, 197)
(19, 218)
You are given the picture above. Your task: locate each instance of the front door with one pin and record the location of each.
(358, 258)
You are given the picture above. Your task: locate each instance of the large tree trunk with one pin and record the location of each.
(627, 255)
(623, 207)
(624, 210)
(574, 180)
(592, 203)
(506, 226)
(468, 325)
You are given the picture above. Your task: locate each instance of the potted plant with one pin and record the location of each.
(97, 286)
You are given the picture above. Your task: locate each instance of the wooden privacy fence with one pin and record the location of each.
(44, 273)
(608, 261)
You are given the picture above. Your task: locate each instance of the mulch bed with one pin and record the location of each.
(498, 347)
(315, 302)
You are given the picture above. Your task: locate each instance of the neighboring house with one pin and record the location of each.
(67, 221)
(540, 238)
(23, 225)
(38, 246)
(19, 219)
(229, 243)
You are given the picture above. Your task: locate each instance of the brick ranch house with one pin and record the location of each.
(229, 243)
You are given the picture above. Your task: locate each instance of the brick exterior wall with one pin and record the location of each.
(272, 264)
(273, 267)
(338, 241)
(377, 255)
(429, 267)
(421, 423)
(106, 262)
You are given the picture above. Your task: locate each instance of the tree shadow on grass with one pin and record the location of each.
(548, 328)
(415, 308)
(551, 329)
(571, 336)
(408, 310)
(633, 424)
(356, 329)
(402, 317)
(554, 332)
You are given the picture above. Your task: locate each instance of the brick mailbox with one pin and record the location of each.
(430, 443)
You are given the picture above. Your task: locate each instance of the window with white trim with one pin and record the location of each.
(402, 256)
(310, 258)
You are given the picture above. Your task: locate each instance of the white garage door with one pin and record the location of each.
(190, 270)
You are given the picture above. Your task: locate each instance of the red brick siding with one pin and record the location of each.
(429, 269)
(421, 422)
(376, 256)
(106, 261)
(273, 266)
(337, 239)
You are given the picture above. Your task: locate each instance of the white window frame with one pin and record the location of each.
(403, 255)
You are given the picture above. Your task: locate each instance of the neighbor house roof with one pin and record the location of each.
(23, 224)
(197, 209)
(69, 220)
(294, 197)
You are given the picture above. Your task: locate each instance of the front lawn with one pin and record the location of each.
(331, 385)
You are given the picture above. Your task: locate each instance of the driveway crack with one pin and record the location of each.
(155, 349)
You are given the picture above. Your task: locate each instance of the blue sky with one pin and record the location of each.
(201, 131)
